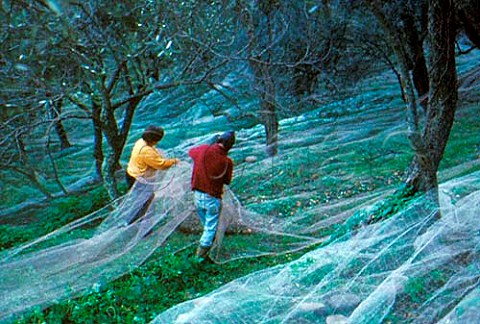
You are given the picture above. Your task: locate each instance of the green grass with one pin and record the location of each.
(464, 142)
(165, 280)
(59, 212)
(170, 277)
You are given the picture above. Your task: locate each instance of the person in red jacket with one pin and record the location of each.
(212, 169)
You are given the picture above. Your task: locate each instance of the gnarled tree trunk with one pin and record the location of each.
(422, 174)
(116, 139)
(260, 61)
(97, 136)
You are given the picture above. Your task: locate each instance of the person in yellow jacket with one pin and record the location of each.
(145, 158)
(144, 161)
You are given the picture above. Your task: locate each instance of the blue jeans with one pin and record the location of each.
(208, 210)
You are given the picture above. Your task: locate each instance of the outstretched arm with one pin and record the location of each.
(156, 161)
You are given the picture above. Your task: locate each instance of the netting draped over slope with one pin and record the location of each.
(42, 272)
(327, 154)
(410, 268)
(99, 247)
(120, 238)
(52, 271)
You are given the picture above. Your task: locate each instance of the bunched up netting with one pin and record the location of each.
(123, 235)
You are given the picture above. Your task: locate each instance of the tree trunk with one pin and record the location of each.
(416, 58)
(268, 105)
(54, 166)
(264, 80)
(56, 112)
(399, 43)
(268, 114)
(98, 136)
(109, 179)
(270, 122)
(116, 140)
(420, 78)
(443, 97)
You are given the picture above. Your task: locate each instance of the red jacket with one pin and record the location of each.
(212, 168)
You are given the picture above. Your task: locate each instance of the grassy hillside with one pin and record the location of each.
(332, 160)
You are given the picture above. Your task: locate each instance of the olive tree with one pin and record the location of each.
(428, 137)
(105, 58)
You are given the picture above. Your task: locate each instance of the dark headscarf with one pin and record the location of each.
(227, 139)
(153, 134)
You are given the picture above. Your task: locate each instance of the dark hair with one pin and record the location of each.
(227, 139)
(153, 134)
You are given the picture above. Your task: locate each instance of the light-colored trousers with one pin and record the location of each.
(208, 210)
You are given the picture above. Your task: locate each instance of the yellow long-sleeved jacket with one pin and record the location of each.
(146, 159)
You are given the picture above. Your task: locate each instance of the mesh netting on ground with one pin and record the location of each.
(120, 237)
(395, 267)
(103, 246)
(413, 267)
(45, 271)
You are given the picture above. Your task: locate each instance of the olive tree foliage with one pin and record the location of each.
(132, 49)
(326, 56)
(112, 45)
(105, 58)
(311, 42)
(30, 100)
(63, 54)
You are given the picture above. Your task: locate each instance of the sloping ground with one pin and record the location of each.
(409, 268)
(333, 162)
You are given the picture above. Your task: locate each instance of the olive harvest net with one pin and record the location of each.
(413, 267)
(120, 237)
(317, 193)
(412, 263)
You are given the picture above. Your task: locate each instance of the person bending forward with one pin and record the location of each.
(212, 169)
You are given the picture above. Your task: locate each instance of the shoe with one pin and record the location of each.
(202, 253)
